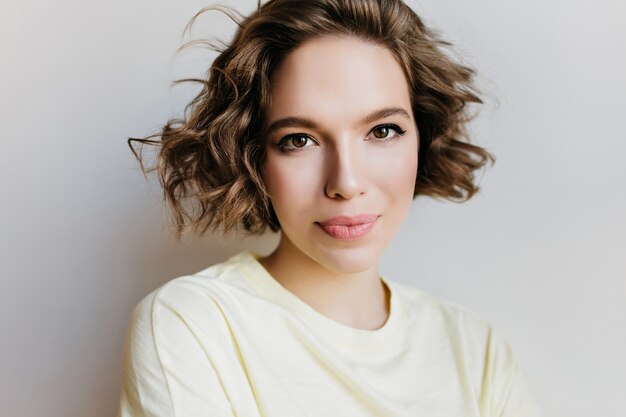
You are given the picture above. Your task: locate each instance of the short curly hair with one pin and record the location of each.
(210, 161)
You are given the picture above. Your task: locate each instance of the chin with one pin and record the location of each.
(349, 260)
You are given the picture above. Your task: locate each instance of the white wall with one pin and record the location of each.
(541, 253)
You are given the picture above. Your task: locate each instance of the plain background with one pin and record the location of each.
(540, 253)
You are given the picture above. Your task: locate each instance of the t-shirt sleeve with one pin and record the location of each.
(166, 372)
(505, 392)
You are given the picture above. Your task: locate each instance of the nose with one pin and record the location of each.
(345, 177)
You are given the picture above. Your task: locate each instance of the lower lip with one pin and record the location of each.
(353, 232)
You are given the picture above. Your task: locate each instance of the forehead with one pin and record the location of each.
(334, 78)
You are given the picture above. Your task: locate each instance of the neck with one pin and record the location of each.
(359, 300)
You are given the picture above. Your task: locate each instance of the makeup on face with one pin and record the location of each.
(341, 160)
(349, 228)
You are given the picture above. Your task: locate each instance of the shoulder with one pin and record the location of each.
(174, 334)
(484, 355)
(186, 317)
(217, 281)
(425, 308)
(193, 301)
(456, 331)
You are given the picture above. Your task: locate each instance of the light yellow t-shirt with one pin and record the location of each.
(231, 341)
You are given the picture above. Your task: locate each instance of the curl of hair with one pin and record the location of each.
(210, 161)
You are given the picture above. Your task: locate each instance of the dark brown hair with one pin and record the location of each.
(210, 162)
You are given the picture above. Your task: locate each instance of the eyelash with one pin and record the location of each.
(394, 127)
(398, 133)
(282, 144)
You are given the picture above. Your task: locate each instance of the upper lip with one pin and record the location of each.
(349, 220)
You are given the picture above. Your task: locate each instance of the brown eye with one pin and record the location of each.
(387, 132)
(299, 141)
(381, 132)
(295, 142)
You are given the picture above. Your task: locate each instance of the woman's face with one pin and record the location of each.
(342, 149)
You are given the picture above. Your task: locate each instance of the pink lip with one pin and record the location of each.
(349, 228)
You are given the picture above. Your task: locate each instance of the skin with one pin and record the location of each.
(338, 163)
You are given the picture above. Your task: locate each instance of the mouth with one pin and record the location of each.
(349, 228)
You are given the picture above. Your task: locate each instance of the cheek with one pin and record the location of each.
(408, 172)
(396, 172)
(292, 184)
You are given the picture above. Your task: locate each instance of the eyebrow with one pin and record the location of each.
(310, 124)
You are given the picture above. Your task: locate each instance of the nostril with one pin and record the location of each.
(343, 187)
(346, 172)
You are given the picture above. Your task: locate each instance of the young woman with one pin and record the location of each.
(323, 119)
